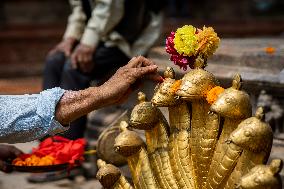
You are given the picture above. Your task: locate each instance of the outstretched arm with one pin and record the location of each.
(74, 104)
(28, 117)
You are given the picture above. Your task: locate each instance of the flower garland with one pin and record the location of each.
(188, 44)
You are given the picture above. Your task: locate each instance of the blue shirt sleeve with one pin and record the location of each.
(25, 118)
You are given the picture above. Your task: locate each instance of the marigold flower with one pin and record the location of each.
(185, 40)
(188, 44)
(208, 42)
(270, 50)
(213, 94)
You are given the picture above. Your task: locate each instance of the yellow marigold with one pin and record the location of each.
(208, 42)
(185, 40)
(212, 95)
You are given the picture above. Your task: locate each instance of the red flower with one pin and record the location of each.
(180, 60)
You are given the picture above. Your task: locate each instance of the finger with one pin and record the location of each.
(142, 71)
(139, 61)
(86, 59)
(131, 62)
(145, 61)
(80, 57)
(89, 58)
(67, 52)
(137, 73)
(74, 61)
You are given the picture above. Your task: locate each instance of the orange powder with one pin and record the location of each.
(175, 86)
(212, 95)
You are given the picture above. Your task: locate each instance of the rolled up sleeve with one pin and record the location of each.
(29, 117)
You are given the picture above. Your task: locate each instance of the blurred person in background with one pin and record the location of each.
(101, 36)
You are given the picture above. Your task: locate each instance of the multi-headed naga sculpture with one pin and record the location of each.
(212, 141)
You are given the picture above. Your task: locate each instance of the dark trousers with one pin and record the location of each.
(58, 73)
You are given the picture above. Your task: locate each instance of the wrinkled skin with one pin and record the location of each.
(74, 104)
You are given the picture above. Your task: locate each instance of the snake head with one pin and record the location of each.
(263, 177)
(144, 115)
(253, 134)
(127, 142)
(233, 102)
(108, 174)
(196, 84)
(164, 94)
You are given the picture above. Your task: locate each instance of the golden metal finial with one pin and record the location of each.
(259, 114)
(123, 126)
(108, 174)
(237, 82)
(101, 163)
(276, 165)
(141, 97)
(128, 143)
(169, 73)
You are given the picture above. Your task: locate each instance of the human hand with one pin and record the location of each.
(122, 83)
(82, 58)
(65, 46)
(7, 152)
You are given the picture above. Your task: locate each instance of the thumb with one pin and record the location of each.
(67, 52)
(74, 62)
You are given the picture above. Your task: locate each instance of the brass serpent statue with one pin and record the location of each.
(211, 140)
